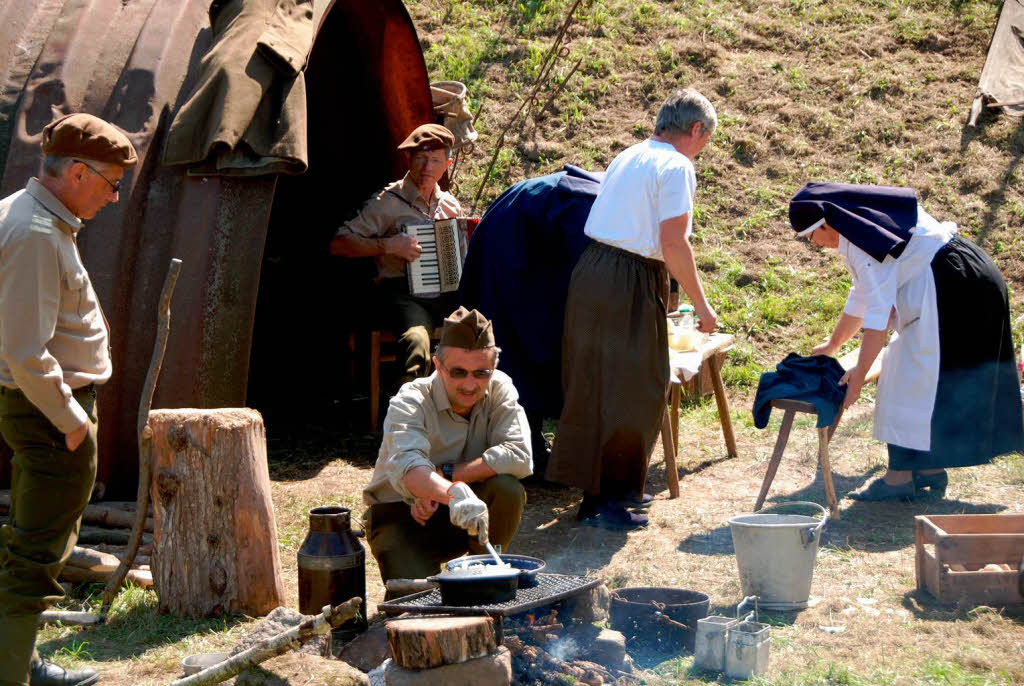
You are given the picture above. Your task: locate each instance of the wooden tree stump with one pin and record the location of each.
(215, 538)
(427, 642)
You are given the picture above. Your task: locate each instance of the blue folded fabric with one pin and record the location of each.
(813, 380)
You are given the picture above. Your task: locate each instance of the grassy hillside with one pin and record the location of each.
(859, 91)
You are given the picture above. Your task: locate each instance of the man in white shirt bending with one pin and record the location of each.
(615, 341)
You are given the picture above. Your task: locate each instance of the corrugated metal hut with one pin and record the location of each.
(254, 248)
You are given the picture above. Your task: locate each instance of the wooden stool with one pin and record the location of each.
(791, 407)
(378, 338)
(709, 353)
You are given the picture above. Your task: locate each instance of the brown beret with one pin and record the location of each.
(428, 137)
(467, 329)
(83, 135)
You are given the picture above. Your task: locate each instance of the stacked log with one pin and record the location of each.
(105, 531)
(429, 651)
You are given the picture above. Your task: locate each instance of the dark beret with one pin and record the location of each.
(89, 137)
(467, 329)
(428, 137)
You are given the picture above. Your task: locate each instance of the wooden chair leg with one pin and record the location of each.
(374, 380)
(671, 471)
(723, 405)
(773, 464)
(674, 396)
(835, 423)
(826, 471)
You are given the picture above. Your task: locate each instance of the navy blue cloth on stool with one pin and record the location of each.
(813, 380)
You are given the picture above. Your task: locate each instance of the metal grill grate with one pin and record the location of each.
(550, 588)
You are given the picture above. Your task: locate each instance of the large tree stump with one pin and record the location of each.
(426, 642)
(215, 538)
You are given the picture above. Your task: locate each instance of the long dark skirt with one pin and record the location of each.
(614, 371)
(977, 413)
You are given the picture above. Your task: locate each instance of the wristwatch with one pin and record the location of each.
(448, 471)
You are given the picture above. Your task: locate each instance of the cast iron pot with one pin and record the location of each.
(638, 613)
(492, 586)
(529, 567)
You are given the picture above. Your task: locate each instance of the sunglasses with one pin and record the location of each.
(116, 185)
(460, 373)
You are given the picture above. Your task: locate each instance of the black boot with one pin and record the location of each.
(48, 674)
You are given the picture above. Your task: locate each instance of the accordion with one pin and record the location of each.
(439, 267)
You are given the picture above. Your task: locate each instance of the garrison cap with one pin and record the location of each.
(467, 329)
(89, 137)
(428, 137)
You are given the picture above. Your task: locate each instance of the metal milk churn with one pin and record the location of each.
(332, 567)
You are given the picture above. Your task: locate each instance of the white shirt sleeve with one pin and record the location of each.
(873, 292)
(675, 192)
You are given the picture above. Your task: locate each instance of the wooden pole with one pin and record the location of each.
(330, 618)
(145, 436)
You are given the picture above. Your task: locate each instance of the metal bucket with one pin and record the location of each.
(775, 554)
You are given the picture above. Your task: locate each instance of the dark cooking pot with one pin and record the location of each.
(484, 588)
(659, 619)
(529, 567)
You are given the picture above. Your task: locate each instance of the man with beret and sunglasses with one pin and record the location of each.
(455, 445)
(53, 354)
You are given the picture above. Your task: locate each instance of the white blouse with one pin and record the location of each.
(879, 287)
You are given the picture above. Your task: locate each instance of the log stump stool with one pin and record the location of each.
(214, 538)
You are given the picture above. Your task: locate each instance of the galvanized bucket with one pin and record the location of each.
(775, 554)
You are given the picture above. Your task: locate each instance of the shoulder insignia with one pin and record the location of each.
(41, 224)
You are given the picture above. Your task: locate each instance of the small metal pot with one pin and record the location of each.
(493, 586)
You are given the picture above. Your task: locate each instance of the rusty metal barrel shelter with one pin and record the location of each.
(133, 62)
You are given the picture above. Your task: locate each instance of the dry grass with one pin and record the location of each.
(864, 580)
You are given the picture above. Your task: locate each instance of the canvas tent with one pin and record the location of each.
(1002, 78)
(256, 276)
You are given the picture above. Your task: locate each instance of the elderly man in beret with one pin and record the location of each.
(53, 353)
(455, 445)
(377, 232)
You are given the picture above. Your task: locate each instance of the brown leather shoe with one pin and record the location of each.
(48, 674)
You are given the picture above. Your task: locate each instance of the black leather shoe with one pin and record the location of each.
(615, 517)
(879, 490)
(641, 502)
(935, 483)
(48, 674)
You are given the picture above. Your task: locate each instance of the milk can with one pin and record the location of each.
(332, 567)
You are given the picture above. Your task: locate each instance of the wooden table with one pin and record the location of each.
(708, 352)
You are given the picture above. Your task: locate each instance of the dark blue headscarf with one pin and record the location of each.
(877, 219)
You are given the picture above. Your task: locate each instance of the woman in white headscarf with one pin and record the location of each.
(948, 395)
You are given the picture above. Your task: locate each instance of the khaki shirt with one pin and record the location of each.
(53, 337)
(422, 430)
(396, 204)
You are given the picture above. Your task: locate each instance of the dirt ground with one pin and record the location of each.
(863, 589)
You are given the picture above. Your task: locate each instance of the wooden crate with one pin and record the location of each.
(947, 543)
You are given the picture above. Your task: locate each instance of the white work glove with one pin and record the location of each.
(467, 511)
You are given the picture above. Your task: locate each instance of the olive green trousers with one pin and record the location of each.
(406, 550)
(50, 488)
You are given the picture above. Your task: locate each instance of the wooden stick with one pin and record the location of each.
(79, 575)
(330, 618)
(95, 535)
(94, 560)
(69, 618)
(145, 435)
(93, 514)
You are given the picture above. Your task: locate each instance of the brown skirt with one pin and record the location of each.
(614, 372)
